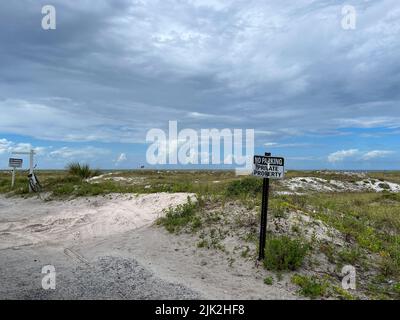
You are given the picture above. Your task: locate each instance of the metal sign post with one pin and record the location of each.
(264, 214)
(13, 178)
(14, 163)
(266, 167)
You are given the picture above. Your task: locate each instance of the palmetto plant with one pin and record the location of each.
(81, 170)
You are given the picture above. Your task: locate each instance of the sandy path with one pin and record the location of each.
(32, 221)
(107, 248)
(177, 259)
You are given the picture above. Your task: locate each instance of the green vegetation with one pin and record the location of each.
(220, 183)
(248, 186)
(269, 281)
(279, 208)
(246, 252)
(316, 287)
(180, 216)
(396, 288)
(202, 244)
(284, 254)
(311, 287)
(329, 251)
(372, 220)
(351, 256)
(64, 184)
(82, 171)
(342, 294)
(384, 186)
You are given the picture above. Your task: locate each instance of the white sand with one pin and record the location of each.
(32, 221)
(108, 248)
(323, 185)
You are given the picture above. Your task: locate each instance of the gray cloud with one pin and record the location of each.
(114, 69)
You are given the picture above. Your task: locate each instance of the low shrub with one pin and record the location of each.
(246, 186)
(311, 287)
(384, 186)
(81, 170)
(284, 254)
(280, 209)
(268, 281)
(350, 256)
(180, 216)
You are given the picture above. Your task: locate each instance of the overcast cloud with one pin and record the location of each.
(112, 70)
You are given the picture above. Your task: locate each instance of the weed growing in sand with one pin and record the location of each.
(328, 250)
(248, 186)
(311, 287)
(176, 218)
(245, 253)
(284, 254)
(396, 289)
(390, 263)
(268, 281)
(342, 294)
(279, 208)
(350, 256)
(202, 244)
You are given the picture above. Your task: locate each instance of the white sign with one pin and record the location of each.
(15, 163)
(269, 167)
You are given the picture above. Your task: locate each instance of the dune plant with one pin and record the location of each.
(81, 170)
(284, 254)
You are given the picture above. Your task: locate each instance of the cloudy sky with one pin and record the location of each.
(90, 90)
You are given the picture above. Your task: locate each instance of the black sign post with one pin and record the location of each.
(266, 167)
(264, 212)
